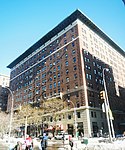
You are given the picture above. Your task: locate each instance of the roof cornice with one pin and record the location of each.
(74, 16)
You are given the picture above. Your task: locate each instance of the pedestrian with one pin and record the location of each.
(44, 141)
(18, 146)
(71, 143)
(29, 144)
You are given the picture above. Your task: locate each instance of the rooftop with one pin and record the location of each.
(75, 15)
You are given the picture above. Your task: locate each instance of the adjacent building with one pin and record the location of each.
(4, 81)
(70, 59)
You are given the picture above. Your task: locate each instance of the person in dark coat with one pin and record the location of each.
(18, 146)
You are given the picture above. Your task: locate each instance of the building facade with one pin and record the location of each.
(70, 59)
(3, 98)
(4, 80)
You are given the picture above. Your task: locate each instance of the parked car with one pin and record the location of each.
(59, 136)
(62, 135)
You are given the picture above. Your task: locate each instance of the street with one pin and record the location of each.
(3, 146)
(92, 144)
(54, 145)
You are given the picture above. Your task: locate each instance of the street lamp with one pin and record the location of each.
(11, 113)
(75, 123)
(107, 107)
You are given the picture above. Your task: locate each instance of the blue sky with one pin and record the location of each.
(24, 22)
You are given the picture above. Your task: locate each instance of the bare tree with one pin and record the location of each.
(27, 114)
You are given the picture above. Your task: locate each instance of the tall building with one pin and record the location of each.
(70, 59)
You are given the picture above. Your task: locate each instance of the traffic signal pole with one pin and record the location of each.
(107, 107)
(103, 97)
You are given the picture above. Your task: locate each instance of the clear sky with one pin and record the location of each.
(24, 22)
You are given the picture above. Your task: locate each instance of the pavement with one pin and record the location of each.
(82, 144)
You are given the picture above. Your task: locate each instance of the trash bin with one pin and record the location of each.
(85, 141)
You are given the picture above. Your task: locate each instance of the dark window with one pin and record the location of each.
(73, 44)
(74, 59)
(92, 114)
(69, 117)
(75, 76)
(78, 115)
(67, 71)
(75, 68)
(73, 51)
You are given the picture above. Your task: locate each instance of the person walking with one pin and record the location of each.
(29, 145)
(44, 141)
(18, 146)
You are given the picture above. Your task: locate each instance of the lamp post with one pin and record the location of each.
(75, 123)
(107, 107)
(11, 113)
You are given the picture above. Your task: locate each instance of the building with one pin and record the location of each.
(3, 98)
(4, 81)
(70, 59)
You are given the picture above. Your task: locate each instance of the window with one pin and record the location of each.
(72, 37)
(67, 79)
(66, 56)
(65, 35)
(73, 51)
(69, 116)
(73, 44)
(94, 71)
(74, 59)
(88, 67)
(50, 58)
(54, 76)
(65, 41)
(54, 69)
(54, 84)
(87, 59)
(50, 65)
(58, 75)
(92, 114)
(51, 119)
(95, 114)
(78, 115)
(89, 76)
(67, 71)
(94, 64)
(75, 76)
(58, 83)
(66, 63)
(58, 67)
(50, 86)
(75, 68)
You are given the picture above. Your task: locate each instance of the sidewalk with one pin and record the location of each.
(99, 144)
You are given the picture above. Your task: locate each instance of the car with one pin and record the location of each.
(59, 136)
(62, 135)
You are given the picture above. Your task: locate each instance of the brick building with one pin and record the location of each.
(70, 59)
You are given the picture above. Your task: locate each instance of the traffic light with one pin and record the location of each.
(102, 95)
